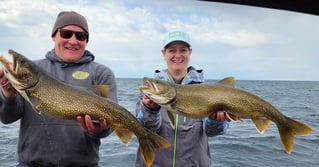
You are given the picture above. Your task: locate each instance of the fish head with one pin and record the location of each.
(21, 72)
(160, 92)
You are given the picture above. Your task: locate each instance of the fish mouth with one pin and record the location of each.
(157, 92)
(8, 66)
(149, 86)
(15, 65)
(11, 69)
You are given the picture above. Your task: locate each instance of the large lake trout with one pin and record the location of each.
(201, 100)
(59, 100)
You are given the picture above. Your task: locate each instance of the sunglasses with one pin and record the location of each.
(66, 34)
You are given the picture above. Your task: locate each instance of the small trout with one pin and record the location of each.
(60, 100)
(201, 100)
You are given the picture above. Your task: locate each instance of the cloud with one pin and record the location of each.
(245, 42)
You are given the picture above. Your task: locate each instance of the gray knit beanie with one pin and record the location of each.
(65, 18)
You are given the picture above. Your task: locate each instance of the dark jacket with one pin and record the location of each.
(189, 140)
(45, 141)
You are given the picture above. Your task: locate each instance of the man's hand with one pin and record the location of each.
(7, 89)
(87, 125)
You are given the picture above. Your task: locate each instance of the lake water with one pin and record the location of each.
(241, 146)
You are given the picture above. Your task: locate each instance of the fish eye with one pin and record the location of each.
(26, 76)
(22, 61)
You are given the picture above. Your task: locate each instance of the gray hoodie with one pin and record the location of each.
(45, 141)
(189, 140)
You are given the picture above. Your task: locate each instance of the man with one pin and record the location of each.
(45, 141)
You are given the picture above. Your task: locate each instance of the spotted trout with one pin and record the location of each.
(60, 100)
(201, 100)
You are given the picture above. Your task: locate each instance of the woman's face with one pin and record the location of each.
(177, 55)
(69, 49)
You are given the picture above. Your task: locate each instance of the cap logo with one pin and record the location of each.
(177, 34)
(80, 75)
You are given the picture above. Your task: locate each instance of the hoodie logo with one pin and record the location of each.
(80, 75)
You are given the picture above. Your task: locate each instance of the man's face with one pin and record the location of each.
(69, 49)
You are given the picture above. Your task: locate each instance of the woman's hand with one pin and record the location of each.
(149, 103)
(219, 116)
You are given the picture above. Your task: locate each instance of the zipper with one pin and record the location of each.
(175, 140)
(170, 79)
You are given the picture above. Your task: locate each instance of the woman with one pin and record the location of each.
(189, 139)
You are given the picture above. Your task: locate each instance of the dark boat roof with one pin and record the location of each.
(303, 6)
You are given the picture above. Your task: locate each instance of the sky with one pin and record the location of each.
(248, 43)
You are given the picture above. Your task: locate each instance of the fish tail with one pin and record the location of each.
(149, 144)
(288, 131)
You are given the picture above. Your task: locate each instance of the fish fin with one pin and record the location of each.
(149, 143)
(125, 135)
(229, 81)
(288, 131)
(24, 95)
(171, 118)
(33, 100)
(300, 128)
(102, 90)
(287, 137)
(233, 118)
(261, 124)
